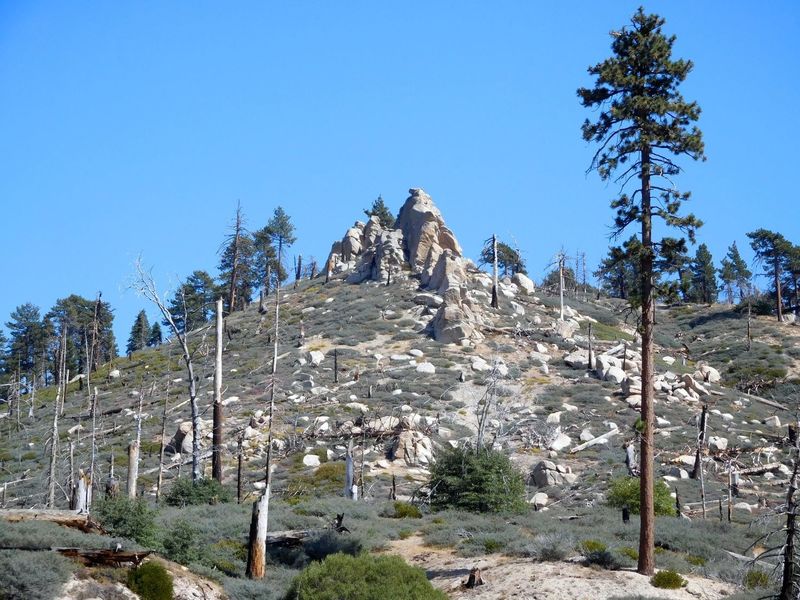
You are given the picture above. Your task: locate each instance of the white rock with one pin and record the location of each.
(773, 421)
(561, 442)
(668, 359)
(316, 357)
(586, 435)
(717, 443)
(416, 352)
(358, 406)
(426, 367)
(615, 374)
(569, 407)
(662, 422)
(554, 418)
(539, 500)
(311, 460)
(479, 364)
(397, 392)
(114, 374)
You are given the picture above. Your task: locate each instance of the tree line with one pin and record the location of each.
(679, 277)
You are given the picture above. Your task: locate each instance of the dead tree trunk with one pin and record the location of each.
(788, 580)
(591, 354)
(561, 286)
(162, 445)
(495, 298)
(298, 270)
(701, 434)
(133, 468)
(60, 389)
(217, 441)
(348, 472)
(239, 470)
(93, 458)
(146, 286)
(256, 555)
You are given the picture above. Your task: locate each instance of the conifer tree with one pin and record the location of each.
(643, 124)
(76, 315)
(734, 271)
(791, 270)
(236, 266)
(155, 337)
(673, 259)
(29, 340)
(704, 277)
(380, 210)
(771, 249)
(140, 332)
(508, 259)
(280, 231)
(193, 302)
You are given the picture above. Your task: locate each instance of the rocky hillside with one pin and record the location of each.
(395, 350)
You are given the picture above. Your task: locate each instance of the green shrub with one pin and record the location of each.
(405, 510)
(128, 518)
(603, 559)
(550, 546)
(151, 582)
(668, 580)
(32, 575)
(588, 546)
(625, 491)
(631, 553)
(185, 492)
(364, 577)
(486, 481)
(755, 578)
(321, 546)
(327, 480)
(181, 543)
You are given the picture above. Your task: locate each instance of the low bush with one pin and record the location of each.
(668, 580)
(321, 546)
(486, 481)
(181, 543)
(625, 491)
(185, 492)
(32, 575)
(405, 510)
(151, 582)
(364, 577)
(128, 518)
(755, 578)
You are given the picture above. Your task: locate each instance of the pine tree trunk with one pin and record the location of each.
(561, 286)
(788, 583)
(701, 434)
(646, 564)
(93, 458)
(163, 446)
(217, 441)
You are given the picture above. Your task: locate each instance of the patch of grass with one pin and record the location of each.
(33, 575)
(405, 510)
(755, 578)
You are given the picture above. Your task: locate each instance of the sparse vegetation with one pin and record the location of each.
(667, 580)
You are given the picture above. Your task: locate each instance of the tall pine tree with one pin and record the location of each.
(734, 272)
(280, 231)
(380, 210)
(155, 337)
(140, 333)
(237, 274)
(193, 302)
(643, 123)
(704, 277)
(771, 249)
(29, 341)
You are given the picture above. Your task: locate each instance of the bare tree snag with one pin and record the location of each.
(561, 259)
(348, 472)
(495, 298)
(60, 389)
(112, 483)
(474, 579)
(256, 554)
(239, 470)
(133, 467)
(591, 353)
(788, 583)
(163, 445)
(335, 366)
(146, 287)
(217, 439)
(93, 458)
(701, 434)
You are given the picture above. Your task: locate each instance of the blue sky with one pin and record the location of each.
(135, 128)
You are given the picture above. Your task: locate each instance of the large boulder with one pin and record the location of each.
(455, 321)
(181, 442)
(448, 272)
(524, 283)
(424, 231)
(413, 447)
(353, 242)
(547, 473)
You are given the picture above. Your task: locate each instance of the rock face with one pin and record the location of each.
(413, 447)
(422, 246)
(547, 473)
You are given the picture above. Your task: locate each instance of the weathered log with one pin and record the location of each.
(597, 440)
(474, 579)
(110, 558)
(65, 518)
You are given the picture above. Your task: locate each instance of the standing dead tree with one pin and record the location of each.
(217, 437)
(259, 521)
(145, 286)
(60, 391)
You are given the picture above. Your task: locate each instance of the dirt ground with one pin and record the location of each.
(523, 579)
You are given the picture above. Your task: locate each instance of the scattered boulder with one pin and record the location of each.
(311, 460)
(413, 447)
(717, 443)
(524, 283)
(316, 357)
(426, 367)
(546, 473)
(539, 500)
(579, 359)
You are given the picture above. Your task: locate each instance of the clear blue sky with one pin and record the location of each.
(135, 127)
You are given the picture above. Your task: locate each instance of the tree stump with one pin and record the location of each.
(474, 579)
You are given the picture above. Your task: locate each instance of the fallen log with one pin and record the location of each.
(66, 518)
(106, 558)
(607, 435)
(760, 469)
